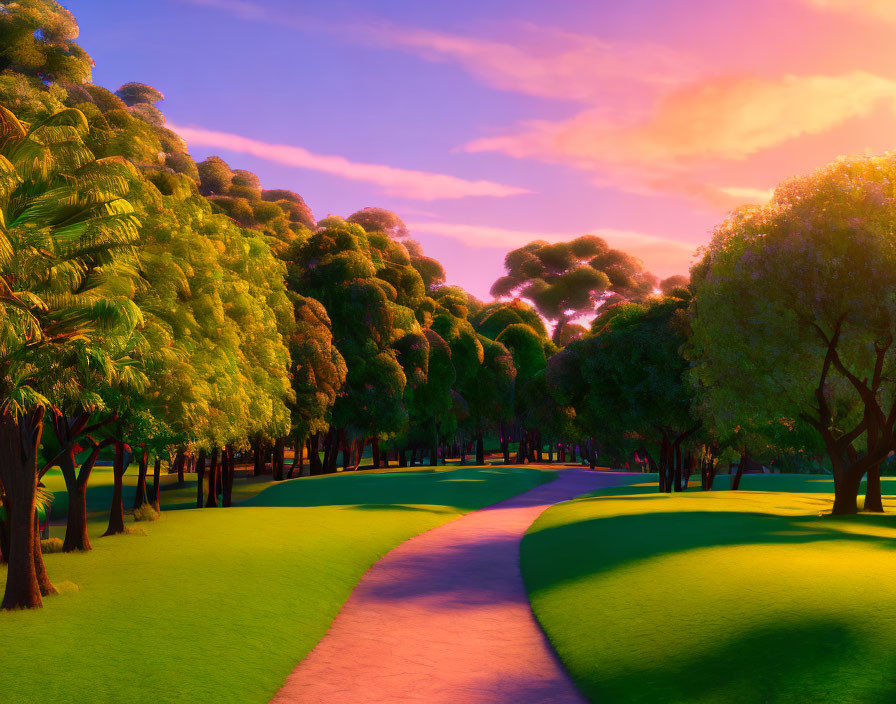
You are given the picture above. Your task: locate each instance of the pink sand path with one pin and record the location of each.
(444, 617)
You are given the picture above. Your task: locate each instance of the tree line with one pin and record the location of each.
(180, 313)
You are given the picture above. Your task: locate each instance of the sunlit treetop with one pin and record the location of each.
(38, 39)
(569, 279)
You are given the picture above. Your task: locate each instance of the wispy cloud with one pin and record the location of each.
(661, 255)
(405, 183)
(717, 121)
(872, 9)
(542, 61)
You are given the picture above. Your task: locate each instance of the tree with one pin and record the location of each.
(336, 266)
(38, 40)
(380, 220)
(65, 258)
(570, 279)
(627, 383)
(318, 373)
(795, 317)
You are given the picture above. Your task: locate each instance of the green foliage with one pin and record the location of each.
(38, 39)
(775, 284)
(570, 279)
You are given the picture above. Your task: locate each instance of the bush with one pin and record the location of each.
(51, 545)
(146, 513)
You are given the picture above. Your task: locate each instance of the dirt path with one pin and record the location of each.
(444, 617)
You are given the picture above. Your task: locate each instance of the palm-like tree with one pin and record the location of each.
(67, 276)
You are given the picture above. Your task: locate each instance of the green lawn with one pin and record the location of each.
(219, 605)
(750, 596)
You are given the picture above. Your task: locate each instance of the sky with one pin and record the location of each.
(487, 124)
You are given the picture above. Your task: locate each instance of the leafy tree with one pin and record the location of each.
(380, 220)
(318, 373)
(627, 383)
(65, 259)
(38, 39)
(336, 267)
(570, 279)
(795, 317)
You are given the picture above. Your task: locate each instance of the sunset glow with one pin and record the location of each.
(492, 124)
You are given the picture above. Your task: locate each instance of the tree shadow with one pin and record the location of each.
(558, 553)
(812, 660)
(464, 489)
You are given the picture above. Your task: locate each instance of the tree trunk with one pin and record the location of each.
(19, 441)
(76, 522)
(179, 461)
(375, 451)
(200, 477)
(40, 571)
(278, 460)
(227, 474)
(315, 467)
(873, 499)
(505, 444)
(846, 492)
(157, 484)
(744, 457)
(592, 455)
(676, 457)
(116, 512)
(4, 537)
(480, 449)
(297, 452)
(211, 500)
(76, 525)
(402, 458)
(142, 468)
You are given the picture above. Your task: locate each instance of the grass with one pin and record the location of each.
(750, 596)
(220, 604)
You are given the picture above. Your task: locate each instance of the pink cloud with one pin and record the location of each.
(405, 183)
(661, 255)
(543, 62)
(872, 9)
(699, 128)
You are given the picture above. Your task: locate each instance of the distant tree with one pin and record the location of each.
(571, 279)
(380, 220)
(795, 317)
(668, 286)
(627, 384)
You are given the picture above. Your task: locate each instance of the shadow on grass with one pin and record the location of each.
(463, 489)
(804, 661)
(582, 548)
(806, 658)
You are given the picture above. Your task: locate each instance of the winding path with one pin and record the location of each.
(444, 617)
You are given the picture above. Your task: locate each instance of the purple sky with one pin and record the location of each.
(487, 124)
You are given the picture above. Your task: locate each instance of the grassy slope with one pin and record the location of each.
(219, 605)
(718, 596)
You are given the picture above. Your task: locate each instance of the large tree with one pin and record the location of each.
(566, 280)
(65, 259)
(796, 316)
